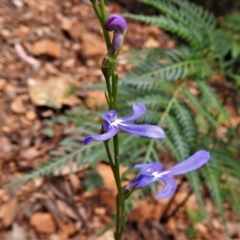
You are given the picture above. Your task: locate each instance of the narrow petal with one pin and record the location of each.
(103, 137)
(141, 181)
(170, 186)
(116, 43)
(149, 167)
(194, 162)
(145, 130)
(139, 110)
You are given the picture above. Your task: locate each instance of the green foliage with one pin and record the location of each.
(184, 90)
(183, 84)
(93, 180)
(195, 216)
(191, 232)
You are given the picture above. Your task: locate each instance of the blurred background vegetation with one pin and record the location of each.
(194, 87)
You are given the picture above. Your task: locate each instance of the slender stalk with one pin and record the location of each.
(102, 21)
(120, 207)
(120, 200)
(106, 70)
(109, 71)
(109, 154)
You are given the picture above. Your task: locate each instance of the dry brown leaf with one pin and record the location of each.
(107, 197)
(92, 45)
(172, 225)
(19, 105)
(8, 212)
(76, 29)
(100, 211)
(56, 237)
(66, 23)
(50, 68)
(29, 153)
(47, 47)
(43, 222)
(106, 236)
(106, 174)
(159, 208)
(5, 144)
(31, 115)
(151, 42)
(95, 98)
(201, 228)
(233, 228)
(69, 63)
(142, 212)
(3, 84)
(75, 183)
(52, 92)
(67, 228)
(192, 202)
(3, 195)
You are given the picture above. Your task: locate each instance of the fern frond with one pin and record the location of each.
(194, 102)
(176, 135)
(213, 181)
(185, 120)
(210, 98)
(190, 15)
(196, 185)
(206, 20)
(170, 25)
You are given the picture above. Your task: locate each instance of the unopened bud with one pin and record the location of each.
(118, 25)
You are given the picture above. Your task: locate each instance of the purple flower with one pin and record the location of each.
(118, 25)
(112, 125)
(152, 172)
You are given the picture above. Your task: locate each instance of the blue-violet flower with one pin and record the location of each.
(152, 172)
(112, 125)
(118, 25)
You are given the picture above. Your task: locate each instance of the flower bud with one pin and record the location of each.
(118, 25)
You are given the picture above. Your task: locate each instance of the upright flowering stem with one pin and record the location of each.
(109, 71)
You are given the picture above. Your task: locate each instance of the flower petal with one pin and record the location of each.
(116, 23)
(116, 44)
(169, 188)
(110, 116)
(194, 162)
(149, 168)
(141, 181)
(145, 130)
(146, 177)
(103, 137)
(139, 110)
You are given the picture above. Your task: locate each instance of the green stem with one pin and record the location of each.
(109, 154)
(114, 87)
(120, 214)
(109, 71)
(102, 21)
(116, 161)
(120, 201)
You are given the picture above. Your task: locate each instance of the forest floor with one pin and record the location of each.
(47, 48)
